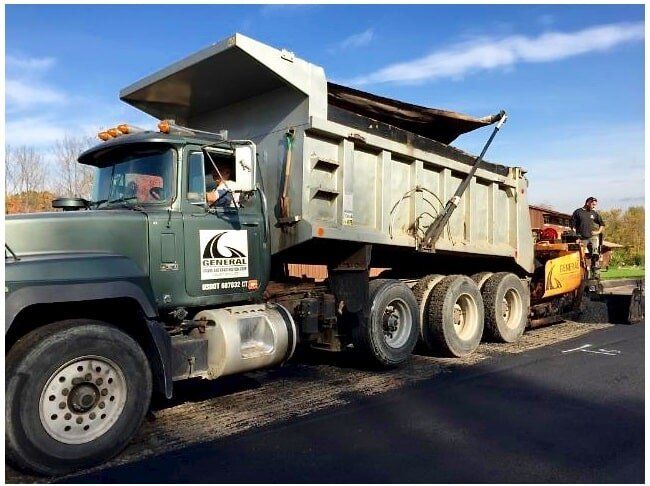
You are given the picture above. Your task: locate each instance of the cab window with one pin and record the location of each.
(196, 178)
(143, 175)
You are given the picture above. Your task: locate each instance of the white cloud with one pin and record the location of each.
(33, 131)
(23, 94)
(357, 40)
(29, 63)
(492, 53)
(24, 88)
(84, 118)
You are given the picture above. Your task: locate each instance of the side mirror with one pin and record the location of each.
(245, 167)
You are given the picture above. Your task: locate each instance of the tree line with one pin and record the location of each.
(33, 178)
(626, 228)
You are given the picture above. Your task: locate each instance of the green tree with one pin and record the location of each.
(626, 228)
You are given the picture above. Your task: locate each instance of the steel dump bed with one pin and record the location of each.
(363, 168)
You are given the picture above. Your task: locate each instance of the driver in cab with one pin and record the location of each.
(221, 193)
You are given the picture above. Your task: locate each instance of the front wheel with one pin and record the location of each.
(76, 393)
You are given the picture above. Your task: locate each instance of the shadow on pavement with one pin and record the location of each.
(571, 419)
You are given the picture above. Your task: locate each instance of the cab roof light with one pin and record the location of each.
(126, 129)
(170, 126)
(165, 126)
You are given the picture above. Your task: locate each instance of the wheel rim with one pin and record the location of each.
(397, 323)
(465, 316)
(82, 399)
(512, 308)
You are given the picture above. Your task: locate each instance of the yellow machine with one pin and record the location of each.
(561, 272)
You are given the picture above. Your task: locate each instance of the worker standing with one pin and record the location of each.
(589, 227)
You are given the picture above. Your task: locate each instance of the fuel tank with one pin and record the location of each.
(247, 337)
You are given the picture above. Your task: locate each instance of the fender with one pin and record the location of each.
(24, 297)
(78, 277)
(74, 277)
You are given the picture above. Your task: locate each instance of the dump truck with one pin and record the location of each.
(177, 267)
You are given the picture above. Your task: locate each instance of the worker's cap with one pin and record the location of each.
(591, 199)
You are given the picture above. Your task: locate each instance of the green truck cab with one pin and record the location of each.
(136, 261)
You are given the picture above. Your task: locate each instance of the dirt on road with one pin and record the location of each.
(204, 411)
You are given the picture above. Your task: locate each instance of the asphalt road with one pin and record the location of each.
(567, 412)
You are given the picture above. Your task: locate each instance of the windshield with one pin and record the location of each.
(144, 176)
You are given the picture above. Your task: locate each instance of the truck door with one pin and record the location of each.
(226, 256)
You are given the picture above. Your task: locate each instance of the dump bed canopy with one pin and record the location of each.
(240, 68)
(224, 74)
(440, 125)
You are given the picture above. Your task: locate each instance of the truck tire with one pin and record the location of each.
(480, 278)
(76, 392)
(454, 323)
(389, 335)
(507, 304)
(422, 290)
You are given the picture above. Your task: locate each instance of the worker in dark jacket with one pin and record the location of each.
(589, 227)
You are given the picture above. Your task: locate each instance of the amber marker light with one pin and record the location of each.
(124, 128)
(114, 132)
(164, 126)
(103, 136)
(320, 231)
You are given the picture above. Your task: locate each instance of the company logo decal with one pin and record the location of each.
(562, 274)
(212, 249)
(224, 254)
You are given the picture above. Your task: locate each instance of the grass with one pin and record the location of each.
(623, 272)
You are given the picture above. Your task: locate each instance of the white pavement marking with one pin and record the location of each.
(577, 349)
(583, 348)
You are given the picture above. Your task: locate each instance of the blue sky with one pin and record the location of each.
(571, 77)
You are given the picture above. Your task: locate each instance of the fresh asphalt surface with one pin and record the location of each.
(554, 414)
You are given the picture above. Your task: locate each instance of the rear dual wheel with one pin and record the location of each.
(422, 291)
(507, 304)
(388, 336)
(453, 323)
